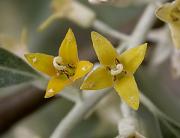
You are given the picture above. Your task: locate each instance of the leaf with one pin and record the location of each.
(162, 90)
(148, 123)
(43, 121)
(13, 70)
(169, 130)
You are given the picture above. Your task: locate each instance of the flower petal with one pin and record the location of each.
(104, 49)
(41, 62)
(127, 89)
(83, 67)
(98, 79)
(68, 49)
(55, 85)
(132, 58)
(177, 2)
(163, 12)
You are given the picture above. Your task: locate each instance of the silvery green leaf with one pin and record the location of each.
(169, 130)
(42, 123)
(160, 87)
(13, 70)
(148, 123)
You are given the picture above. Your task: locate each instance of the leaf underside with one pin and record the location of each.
(14, 70)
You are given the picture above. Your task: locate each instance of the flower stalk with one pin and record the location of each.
(70, 9)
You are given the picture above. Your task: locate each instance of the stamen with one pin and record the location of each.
(117, 70)
(117, 61)
(57, 63)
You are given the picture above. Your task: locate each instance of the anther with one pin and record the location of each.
(57, 61)
(108, 68)
(70, 66)
(117, 61)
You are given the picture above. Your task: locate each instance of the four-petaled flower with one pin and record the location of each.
(116, 70)
(63, 69)
(170, 13)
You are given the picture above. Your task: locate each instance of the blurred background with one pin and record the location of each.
(24, 113)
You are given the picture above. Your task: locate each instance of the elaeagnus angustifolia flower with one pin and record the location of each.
(170, 13)
(63, 69)
(116, 70)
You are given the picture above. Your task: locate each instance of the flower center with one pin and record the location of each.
(68, 70)
(57, 62)
(117, 70)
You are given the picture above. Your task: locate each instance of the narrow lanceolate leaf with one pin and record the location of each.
(148, 123)
(169, 129)
(13, 70)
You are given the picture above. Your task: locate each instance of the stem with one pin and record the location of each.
(104, 28)
(77, 114)
(144, 25)
(127, 126)
(126, 111)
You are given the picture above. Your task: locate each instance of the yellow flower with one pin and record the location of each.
(70, 9)
(170, 13)
(63, 69)
(116, 70)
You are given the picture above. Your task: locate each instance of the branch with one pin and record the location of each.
(104, 28)
(77, 114)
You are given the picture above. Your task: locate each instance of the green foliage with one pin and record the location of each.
(44, 121)
(149, 123)
(13, 70)
(162, 96)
